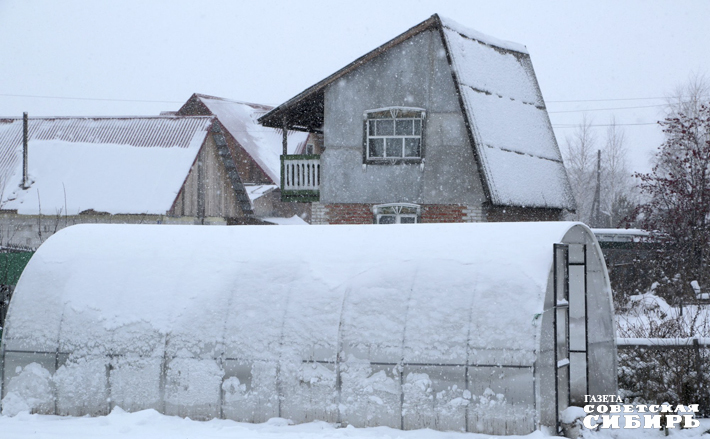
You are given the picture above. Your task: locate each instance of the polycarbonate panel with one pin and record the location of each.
(249, 391)
(192, 388)
(134, 383)
(82, 387)
(308, 391)
(577, 335)
(438, 316)
(29, 375)
(599, 362)
(562, 328)
(375, 311)
(578, 377)
(562, 388)
(247, 310)
(370, 394)
(561, 273)
(435, 397)
(499, 395)
(545, 368)
(576, 253)
(311, 322)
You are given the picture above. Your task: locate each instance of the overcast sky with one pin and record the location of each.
(114, 58)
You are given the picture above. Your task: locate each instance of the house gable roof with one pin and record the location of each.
(118, 165)
(508, 125)
(264, 145)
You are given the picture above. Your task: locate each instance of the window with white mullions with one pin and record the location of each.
(394, 134)
(401, 213)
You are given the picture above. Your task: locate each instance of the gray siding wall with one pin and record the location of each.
(412, 74)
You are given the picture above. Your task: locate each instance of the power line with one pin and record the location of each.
(606, 125)
(549, 112)
(177, 102)
(605, 109)
(606, 100)
(91, 99)
(624, 99)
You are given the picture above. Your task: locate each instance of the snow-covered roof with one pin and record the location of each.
(621, 235)
(292, 221)
(130, 165)
(182, 292)
(222, 322)
(263, 144)
(508, 121)
(255, 191)
(512, 132)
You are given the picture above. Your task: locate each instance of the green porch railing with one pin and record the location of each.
(300, 178)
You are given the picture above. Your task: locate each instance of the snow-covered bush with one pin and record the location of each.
(654, 375)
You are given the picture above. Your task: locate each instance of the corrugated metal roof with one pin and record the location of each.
(137, 131)
(148, 131)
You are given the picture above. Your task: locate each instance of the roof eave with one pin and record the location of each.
(275, 117)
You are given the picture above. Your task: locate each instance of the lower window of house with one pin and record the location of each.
(399, 213)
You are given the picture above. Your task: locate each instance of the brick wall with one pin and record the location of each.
(432, 213)
(443, 213)
(362, 213)
(349, 213)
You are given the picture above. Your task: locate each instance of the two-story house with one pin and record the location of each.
(440, 124)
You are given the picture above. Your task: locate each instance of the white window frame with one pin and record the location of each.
(375, 120)
(399, 211)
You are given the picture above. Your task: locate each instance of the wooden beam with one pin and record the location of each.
(284, 128)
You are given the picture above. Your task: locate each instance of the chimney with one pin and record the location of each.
(25, 147)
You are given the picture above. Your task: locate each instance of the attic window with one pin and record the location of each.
(394, 135)
(396, 213)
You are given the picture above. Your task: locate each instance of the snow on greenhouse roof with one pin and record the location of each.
(130, 165)
(263, 144)
(335, 283)
(501, 99)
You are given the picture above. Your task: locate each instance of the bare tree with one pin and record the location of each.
(688, 96)
(580, 164)
(617, 199)
(618, 188)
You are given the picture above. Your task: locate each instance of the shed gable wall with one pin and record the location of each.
(207, 191)
(415, 73)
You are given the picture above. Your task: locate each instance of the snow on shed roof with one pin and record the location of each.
(508, 121)
(334, 284)
(128, 165)
(263, 144)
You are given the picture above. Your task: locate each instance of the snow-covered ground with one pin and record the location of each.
(149, 424)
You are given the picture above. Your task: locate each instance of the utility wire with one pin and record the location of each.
(550, 112)
(605, 125)
(91, 99)
(179, 102)
(605, 109)
(619, 99)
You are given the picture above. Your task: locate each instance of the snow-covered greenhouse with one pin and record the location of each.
(491, 327)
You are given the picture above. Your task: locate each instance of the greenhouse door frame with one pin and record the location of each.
(569, 276)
